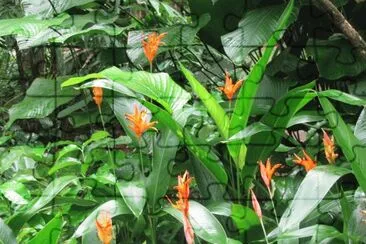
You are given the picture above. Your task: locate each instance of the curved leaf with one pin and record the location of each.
(6, 234)
(114, 207)
(204, 223)
(50, 233)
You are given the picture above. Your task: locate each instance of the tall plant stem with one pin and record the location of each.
(141, 160)
(230, 161)
(274, 209)
(264, 230)
(153, 232)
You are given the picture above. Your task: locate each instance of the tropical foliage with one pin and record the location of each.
(215, 121)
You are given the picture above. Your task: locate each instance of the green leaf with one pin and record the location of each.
(66, 150)
(50, 233)
(114, 207)
(215, 110)
(42, 98)
(204, 223)
(48, 9)
(253, 31)
(247, 93)
(56, 186)
(164, 152)
(249, 131)
(29, 26)
(6, 234)
(64, 163)
(318, 232)
(335, 57)
(244, 217)
(158, 86)
(360, 128)
(342, 97)
(15, 192)
(352, 148)
(97, 136)
(134, 195)
(310, 193)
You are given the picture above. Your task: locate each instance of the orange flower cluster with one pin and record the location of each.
(229, 88)
(104, 227)
(182, 204)
(329, 148)
(267, 172)
(138, 121)
(98, 95)
(306, 161)
(151, 45)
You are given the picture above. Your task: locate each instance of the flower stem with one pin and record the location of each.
(153, 232)
(274, 209)
(151, 67)
(141, 160)
(264, 230)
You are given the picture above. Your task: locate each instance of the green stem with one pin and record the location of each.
(153, 231)
(151, 68)
(274, 209)
(264, 230)
(141, 160)
(109, 152)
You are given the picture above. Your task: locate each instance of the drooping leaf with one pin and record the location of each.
(6, 234)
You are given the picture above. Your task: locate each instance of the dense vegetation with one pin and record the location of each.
(199, 121)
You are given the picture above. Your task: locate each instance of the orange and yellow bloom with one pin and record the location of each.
(229, 88)
(98, 95)
(267, 171)
(151, 45)
(306, 162)
(104, 227)
(329, 148)
(182, 204)
(138, 121)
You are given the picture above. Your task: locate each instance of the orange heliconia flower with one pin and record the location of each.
(138, 121)
(152, 44)
(98, 95)
(256, 206)
(307, 162)
(267, 171)
(104, 227)
(229, 88)
(329, 148)
(182, 204)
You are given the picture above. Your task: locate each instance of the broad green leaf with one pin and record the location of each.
(158, 86)
(249, 131)
(310, 193)
(204, 223)
(56, 186)
(165, 148)
(134, 195)
(6, 234)
(247, 93)
(97, 136)
(335, 57)
(215, 110)
(360, 128)
(66, 150)
(253, 31)
(352, 148)
(15, 192)
(243, 217)
(318, 232)
(50, 233)
(42, 98)
(303, 117)
(47, 9)
(114, 207)
(29, 26)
